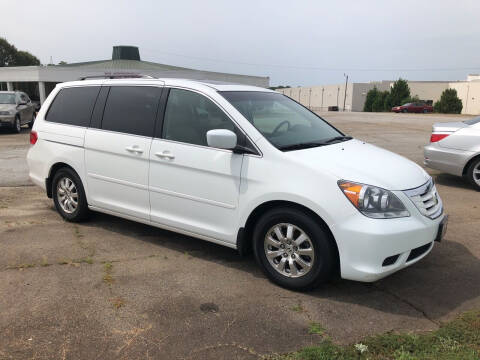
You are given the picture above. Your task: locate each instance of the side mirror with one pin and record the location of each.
(22, 103)
(222, 139)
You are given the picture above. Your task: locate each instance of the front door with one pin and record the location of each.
(117, 152)
(194, 187)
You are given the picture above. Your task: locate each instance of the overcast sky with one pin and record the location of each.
(294, 42)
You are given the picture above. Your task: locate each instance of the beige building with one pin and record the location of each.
(320, 98)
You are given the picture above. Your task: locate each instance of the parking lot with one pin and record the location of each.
(111, 288)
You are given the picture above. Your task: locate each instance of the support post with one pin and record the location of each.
(41, 91)
(9, 86)
(345, 96)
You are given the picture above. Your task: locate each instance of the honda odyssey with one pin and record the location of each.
(239, 166)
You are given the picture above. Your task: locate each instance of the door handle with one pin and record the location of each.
(134, 149)
(165, 155)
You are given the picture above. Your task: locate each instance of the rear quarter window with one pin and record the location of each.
(73, 106)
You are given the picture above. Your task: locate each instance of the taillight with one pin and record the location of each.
(437, 137)
(33, 137)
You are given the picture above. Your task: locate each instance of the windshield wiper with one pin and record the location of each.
(301, 146)
(312, 144)
(337, 138)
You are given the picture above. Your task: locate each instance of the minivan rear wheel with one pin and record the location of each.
(293, 250)
(69, 196)
(473, 173)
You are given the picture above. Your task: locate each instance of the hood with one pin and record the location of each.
(7, 107)
(357, 161)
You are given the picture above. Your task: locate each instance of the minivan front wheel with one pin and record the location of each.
(69, 196)
(293, 249)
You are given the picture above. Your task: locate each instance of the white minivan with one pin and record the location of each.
(237, 165)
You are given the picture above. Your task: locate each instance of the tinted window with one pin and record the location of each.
(131, 109)
(73, 106)
(188, 117)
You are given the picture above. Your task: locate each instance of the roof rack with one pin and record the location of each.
(117, 76)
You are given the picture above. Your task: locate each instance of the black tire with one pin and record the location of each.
(325, 256)
(425, 111)
(30, 124)
(17, 125)
(81, 211)
(404, 111)
(474, 166)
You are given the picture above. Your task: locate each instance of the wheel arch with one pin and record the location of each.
(245, 233)
(469, 162)
(53, 169)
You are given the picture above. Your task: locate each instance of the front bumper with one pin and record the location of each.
(448, 160)
(365, 244)
(7, 120)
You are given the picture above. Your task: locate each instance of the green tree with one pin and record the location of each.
(7, 53)
(449, 103)
(371, 96)
(379, 102)
(10, 56)
(398, 94)
(24, 58)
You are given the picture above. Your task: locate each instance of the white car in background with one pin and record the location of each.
(240, 166)
(455, 149)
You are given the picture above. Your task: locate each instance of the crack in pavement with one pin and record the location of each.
(405, 301)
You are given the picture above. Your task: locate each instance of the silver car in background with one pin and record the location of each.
(16, 109)
(455, 149)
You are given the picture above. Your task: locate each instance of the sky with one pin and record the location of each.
(294, 42)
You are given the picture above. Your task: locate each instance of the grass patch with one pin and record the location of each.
(458, 339)
(21, 266)
(107, 277)
(297, 308)
(316, 328)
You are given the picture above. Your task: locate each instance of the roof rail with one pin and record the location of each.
(117, 76)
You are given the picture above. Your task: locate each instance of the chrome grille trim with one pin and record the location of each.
(426, 199)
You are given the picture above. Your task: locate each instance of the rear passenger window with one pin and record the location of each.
(73, 106)
(131, 109)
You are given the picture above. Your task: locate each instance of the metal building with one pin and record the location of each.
(38, 81)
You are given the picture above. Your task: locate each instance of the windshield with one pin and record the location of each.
(7, 98)
(284, 123)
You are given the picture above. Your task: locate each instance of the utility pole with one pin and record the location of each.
(323, 89)
(310, 99)
(338, 92)
(345, 96)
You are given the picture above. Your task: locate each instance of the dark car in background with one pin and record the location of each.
(416, 107)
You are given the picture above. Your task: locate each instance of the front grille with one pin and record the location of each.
(426, 199)
(419, 251)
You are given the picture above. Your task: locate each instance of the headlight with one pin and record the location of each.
(6, 112)
(373, 201)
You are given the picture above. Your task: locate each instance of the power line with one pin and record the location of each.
(314, 68)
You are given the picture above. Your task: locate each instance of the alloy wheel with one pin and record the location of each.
(476, 174)
(289, 250)
(67, 195)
